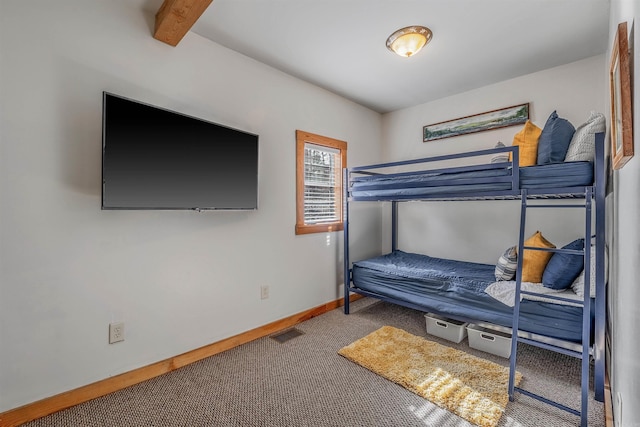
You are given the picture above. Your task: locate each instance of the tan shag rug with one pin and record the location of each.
(472, 388)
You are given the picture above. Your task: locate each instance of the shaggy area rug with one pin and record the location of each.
(472, 388)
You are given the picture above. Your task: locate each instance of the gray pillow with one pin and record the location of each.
(578, 284)
(583, 143)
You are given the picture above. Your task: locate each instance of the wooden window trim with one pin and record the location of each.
(302, 138)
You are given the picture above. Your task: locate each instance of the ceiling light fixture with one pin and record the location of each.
(409, 40)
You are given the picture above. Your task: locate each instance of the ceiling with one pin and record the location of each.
(340, 44)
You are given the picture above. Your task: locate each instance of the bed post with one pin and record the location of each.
(394, 226)
(601, 296)
(345, 222)
(586, 307)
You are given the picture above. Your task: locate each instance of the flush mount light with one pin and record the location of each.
(409, 40)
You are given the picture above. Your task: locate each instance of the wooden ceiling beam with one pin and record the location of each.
(176, 17)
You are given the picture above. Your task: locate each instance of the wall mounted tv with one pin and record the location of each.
(153, 158)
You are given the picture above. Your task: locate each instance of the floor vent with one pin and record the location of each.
(287, 335)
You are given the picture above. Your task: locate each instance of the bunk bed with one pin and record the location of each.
(456, 289)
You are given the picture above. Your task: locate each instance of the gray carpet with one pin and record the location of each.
(304, 382)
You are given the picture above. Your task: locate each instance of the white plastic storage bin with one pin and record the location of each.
(495, 342)
(448, 329)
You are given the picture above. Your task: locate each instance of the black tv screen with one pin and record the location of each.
(153, 158)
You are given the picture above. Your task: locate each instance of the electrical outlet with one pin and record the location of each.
(264, 292)
(116, 332)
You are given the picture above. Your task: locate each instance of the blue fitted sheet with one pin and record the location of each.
(456, 288)
(569, 174)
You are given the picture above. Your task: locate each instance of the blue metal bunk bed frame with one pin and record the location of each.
(529, 199)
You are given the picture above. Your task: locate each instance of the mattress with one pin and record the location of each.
(456, 288)
(495, 179)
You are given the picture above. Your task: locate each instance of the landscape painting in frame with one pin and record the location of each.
(621, 99)
(509, 116)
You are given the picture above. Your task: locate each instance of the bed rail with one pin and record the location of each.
(489, 175)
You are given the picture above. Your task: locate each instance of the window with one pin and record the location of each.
(319, 163)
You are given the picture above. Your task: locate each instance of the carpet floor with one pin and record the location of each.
(305, 382)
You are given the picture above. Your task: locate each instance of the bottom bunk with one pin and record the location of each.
(457, 289)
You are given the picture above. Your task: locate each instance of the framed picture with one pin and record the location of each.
(509, 116)
(620, 86)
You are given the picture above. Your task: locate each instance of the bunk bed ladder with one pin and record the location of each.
(586, 309)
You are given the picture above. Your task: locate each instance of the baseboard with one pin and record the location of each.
(608, 403)
(44, 407)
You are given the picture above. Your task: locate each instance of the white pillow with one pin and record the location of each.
(578, 284)
(583, 143)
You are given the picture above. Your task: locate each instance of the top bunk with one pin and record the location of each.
(492, 174)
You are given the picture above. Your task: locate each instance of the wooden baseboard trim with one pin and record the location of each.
(44, 407)
(608, 403)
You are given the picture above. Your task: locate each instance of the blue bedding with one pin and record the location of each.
(569, 174)
(456, 288)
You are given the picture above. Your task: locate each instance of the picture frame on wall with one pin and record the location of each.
(495, 119)
(620, 93)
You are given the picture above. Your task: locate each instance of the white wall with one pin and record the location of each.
(179, 280)
(624, 246)
(445, 229)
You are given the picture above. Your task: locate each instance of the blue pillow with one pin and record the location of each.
(562, 269)
(554, 140)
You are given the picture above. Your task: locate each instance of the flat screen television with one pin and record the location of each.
(153, 158)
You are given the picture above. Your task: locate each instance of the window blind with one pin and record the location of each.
(322, 171)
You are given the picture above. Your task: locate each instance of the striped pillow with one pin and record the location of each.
(500, 157)
(507, 264)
